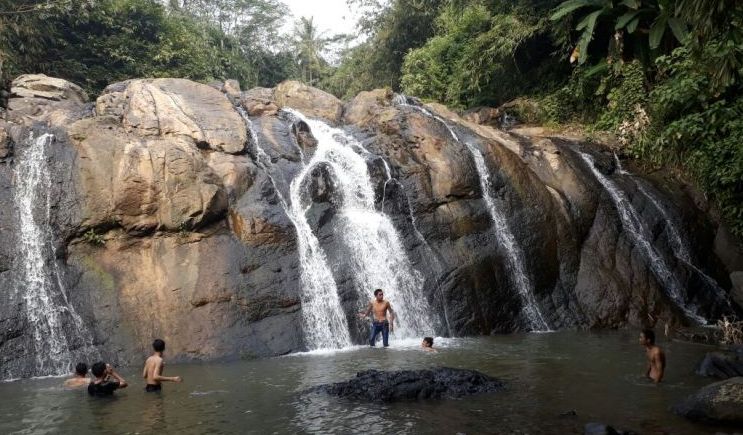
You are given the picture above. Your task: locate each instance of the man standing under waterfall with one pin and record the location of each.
(380, 323)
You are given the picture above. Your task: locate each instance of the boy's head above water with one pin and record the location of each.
(427, 342)
(81, 369)
(158, 345)
(647, 337)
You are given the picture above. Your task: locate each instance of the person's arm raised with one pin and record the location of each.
(121, 380)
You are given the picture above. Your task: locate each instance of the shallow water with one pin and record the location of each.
(597, 375)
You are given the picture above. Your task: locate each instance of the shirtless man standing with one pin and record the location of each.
(656, 357)
(380, 323)
(153, 369)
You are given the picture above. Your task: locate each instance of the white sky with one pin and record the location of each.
(332, 16)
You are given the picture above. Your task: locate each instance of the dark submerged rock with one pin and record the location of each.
(721, 365)
(437, 383)
(720, 403)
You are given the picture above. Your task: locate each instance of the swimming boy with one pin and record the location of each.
(655, 355)
(106, 380)
(80, 378)
(427, 344)
(153, 369)
(380, 323)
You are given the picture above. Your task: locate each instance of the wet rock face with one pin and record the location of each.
(721, 403)
(405, 385)
(168, 219)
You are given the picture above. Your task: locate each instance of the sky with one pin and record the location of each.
(332, 16)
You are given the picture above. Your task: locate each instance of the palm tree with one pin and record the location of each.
(309, 44)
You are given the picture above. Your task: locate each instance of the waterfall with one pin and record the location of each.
(514, 254)
(516, 263)
(679, 243)
(45, 300)
(375, 251)
(680, 248)
(325, 325)
(639, 235)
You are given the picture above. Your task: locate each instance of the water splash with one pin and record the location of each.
(639, 235)
(374, 249)
(46, 304)
(515, 256)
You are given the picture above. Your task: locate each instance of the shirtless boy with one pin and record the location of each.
(427, 344)
(153, 369)
(379, 307)
(80, 379)
(656, 357)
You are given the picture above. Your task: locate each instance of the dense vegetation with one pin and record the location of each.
(665, 76)
(97, 42)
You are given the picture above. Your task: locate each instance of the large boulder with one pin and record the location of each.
(312, 102)
(48, 88)
(721, 365)
(721, 402)
(393, 386)
(176, 108)
(144, 184)
(39, 98)
(259, 101)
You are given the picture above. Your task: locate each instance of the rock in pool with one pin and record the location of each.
(392, 386)
(721, 403)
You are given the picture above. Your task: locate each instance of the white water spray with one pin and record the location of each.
(45, 303)
(374, 249)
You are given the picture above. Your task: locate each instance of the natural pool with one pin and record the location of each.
(596, 374)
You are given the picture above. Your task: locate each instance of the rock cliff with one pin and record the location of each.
(166, 216)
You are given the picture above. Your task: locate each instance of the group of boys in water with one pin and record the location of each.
(107, 381)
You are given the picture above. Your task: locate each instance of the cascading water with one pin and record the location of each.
(325, 325)
(639, 235)
(46, 304)
(514, 254)
(508, 241)
(375, 252)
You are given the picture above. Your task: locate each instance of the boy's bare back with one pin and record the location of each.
(153, 368)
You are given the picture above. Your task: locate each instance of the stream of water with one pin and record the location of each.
(639, 234)
(519, 275)
(45, 301)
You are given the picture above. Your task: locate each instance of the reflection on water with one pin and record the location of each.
(596, 375)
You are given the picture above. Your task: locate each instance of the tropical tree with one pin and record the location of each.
(309, 43)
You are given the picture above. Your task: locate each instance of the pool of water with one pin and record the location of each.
(596, 375)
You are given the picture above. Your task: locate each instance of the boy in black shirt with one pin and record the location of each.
(106, 380)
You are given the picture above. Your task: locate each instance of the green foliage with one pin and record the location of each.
(94, 43)
(472, 59)
(698, 126)
(92, 238)
(391, 31)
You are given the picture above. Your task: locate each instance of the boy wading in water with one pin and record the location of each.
(656, 357)
(106, 380)
(153, 369)
(80, 379)
(379, 307)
